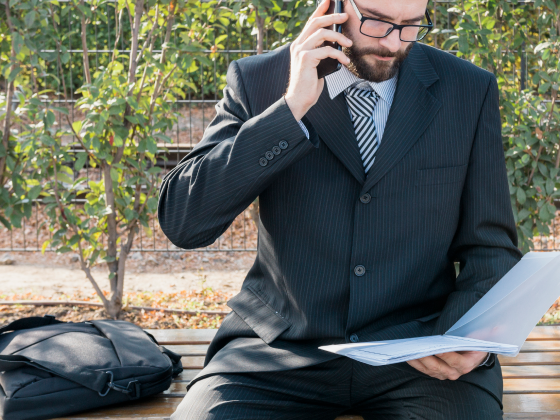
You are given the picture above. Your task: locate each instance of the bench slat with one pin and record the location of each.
(183, 336)
(544, 332)
(186, 350)
(526, 359)
(541, 346)
(540, 371)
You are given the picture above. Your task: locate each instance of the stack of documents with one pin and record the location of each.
(395, 351)
(498, 323)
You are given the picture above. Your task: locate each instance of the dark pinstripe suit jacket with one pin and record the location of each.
(437, 193)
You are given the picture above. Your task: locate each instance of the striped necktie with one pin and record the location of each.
(362, 103)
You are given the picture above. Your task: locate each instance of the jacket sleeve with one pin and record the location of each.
(485, 243)
(239, 155)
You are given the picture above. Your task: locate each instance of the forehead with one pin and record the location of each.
(393, 10)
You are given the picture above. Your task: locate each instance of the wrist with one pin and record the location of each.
(292, 103)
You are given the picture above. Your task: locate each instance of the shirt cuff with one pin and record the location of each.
(304, 128)
(485, 360)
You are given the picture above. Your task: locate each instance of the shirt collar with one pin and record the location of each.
(342, 79)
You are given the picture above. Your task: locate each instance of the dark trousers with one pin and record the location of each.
(327, 390)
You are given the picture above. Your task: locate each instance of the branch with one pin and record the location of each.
(150, 34)
(118, 32)
(10, 94)
(59, 48)
(74, 228)
(84, 44)
(138, 10)
(141, 87)
(87, 271)
(170, 21)
(56, 195)
(157, 89)
(89, 152)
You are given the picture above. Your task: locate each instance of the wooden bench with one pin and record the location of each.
(531, 380)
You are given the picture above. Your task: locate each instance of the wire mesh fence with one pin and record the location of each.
(194, 112)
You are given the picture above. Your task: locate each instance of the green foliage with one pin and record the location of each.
(519, 43)
(126, 106)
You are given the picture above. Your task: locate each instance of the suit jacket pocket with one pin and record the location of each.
(264, 320)
(434, 176)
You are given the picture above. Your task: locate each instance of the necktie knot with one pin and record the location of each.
(361, 102)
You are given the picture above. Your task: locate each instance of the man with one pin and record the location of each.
(370, 187)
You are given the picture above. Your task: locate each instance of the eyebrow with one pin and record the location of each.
(381, 15)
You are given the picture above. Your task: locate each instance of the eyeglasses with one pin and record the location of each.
(378, 28)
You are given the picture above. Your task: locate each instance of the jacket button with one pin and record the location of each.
(354, 338)
(283, 144)
(366, 198)
(263, 162)
(276, 150)
(269, 155)
(359, 270)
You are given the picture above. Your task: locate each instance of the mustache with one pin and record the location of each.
(379, 52)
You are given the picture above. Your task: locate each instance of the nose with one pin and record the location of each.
(392, 41)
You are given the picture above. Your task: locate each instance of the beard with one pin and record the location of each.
(381, 70)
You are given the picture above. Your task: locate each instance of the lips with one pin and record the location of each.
(382, 58)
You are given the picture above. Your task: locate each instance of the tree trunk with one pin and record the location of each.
(260, 31)
(9, 94)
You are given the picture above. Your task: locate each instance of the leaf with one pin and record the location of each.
(114, 175)
(544, 214)
(62, 177)
(279, 26)
(44, 246)
(34, 192)
(14, 73)
(544, 87)
(521, 197)
(80, 161)
(550, 186)
(30, 18)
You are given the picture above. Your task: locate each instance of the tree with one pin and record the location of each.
(127, 108)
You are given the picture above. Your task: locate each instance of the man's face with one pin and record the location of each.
(378, 59)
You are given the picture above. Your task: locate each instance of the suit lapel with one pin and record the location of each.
(412, 110)
(332, 122)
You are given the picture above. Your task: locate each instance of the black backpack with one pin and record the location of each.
(50, 368)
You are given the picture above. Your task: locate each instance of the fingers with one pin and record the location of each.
(321, 9)
(312, 58)
(322, 35)
(316, 23)
(463, 362)
(435, 367)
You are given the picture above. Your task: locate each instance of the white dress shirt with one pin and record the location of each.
(342, 79)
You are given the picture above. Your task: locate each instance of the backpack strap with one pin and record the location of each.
(30, 322)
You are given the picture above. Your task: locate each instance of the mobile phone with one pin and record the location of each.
(330, 65)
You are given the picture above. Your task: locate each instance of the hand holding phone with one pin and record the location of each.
(330, 65)
(306, 53)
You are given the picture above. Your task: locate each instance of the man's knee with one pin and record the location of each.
(198, 401)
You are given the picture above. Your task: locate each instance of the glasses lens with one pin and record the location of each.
(413, 33)
(375, 28)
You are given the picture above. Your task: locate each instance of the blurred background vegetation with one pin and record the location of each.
(99, 98)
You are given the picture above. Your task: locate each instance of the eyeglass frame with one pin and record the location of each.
(363, 18)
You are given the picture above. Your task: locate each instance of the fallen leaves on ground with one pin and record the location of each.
(205, 299)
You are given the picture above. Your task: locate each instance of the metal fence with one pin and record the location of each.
(195, 112)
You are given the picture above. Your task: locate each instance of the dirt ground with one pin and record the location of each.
(53, 274)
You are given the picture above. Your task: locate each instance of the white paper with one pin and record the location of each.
(498, 323)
